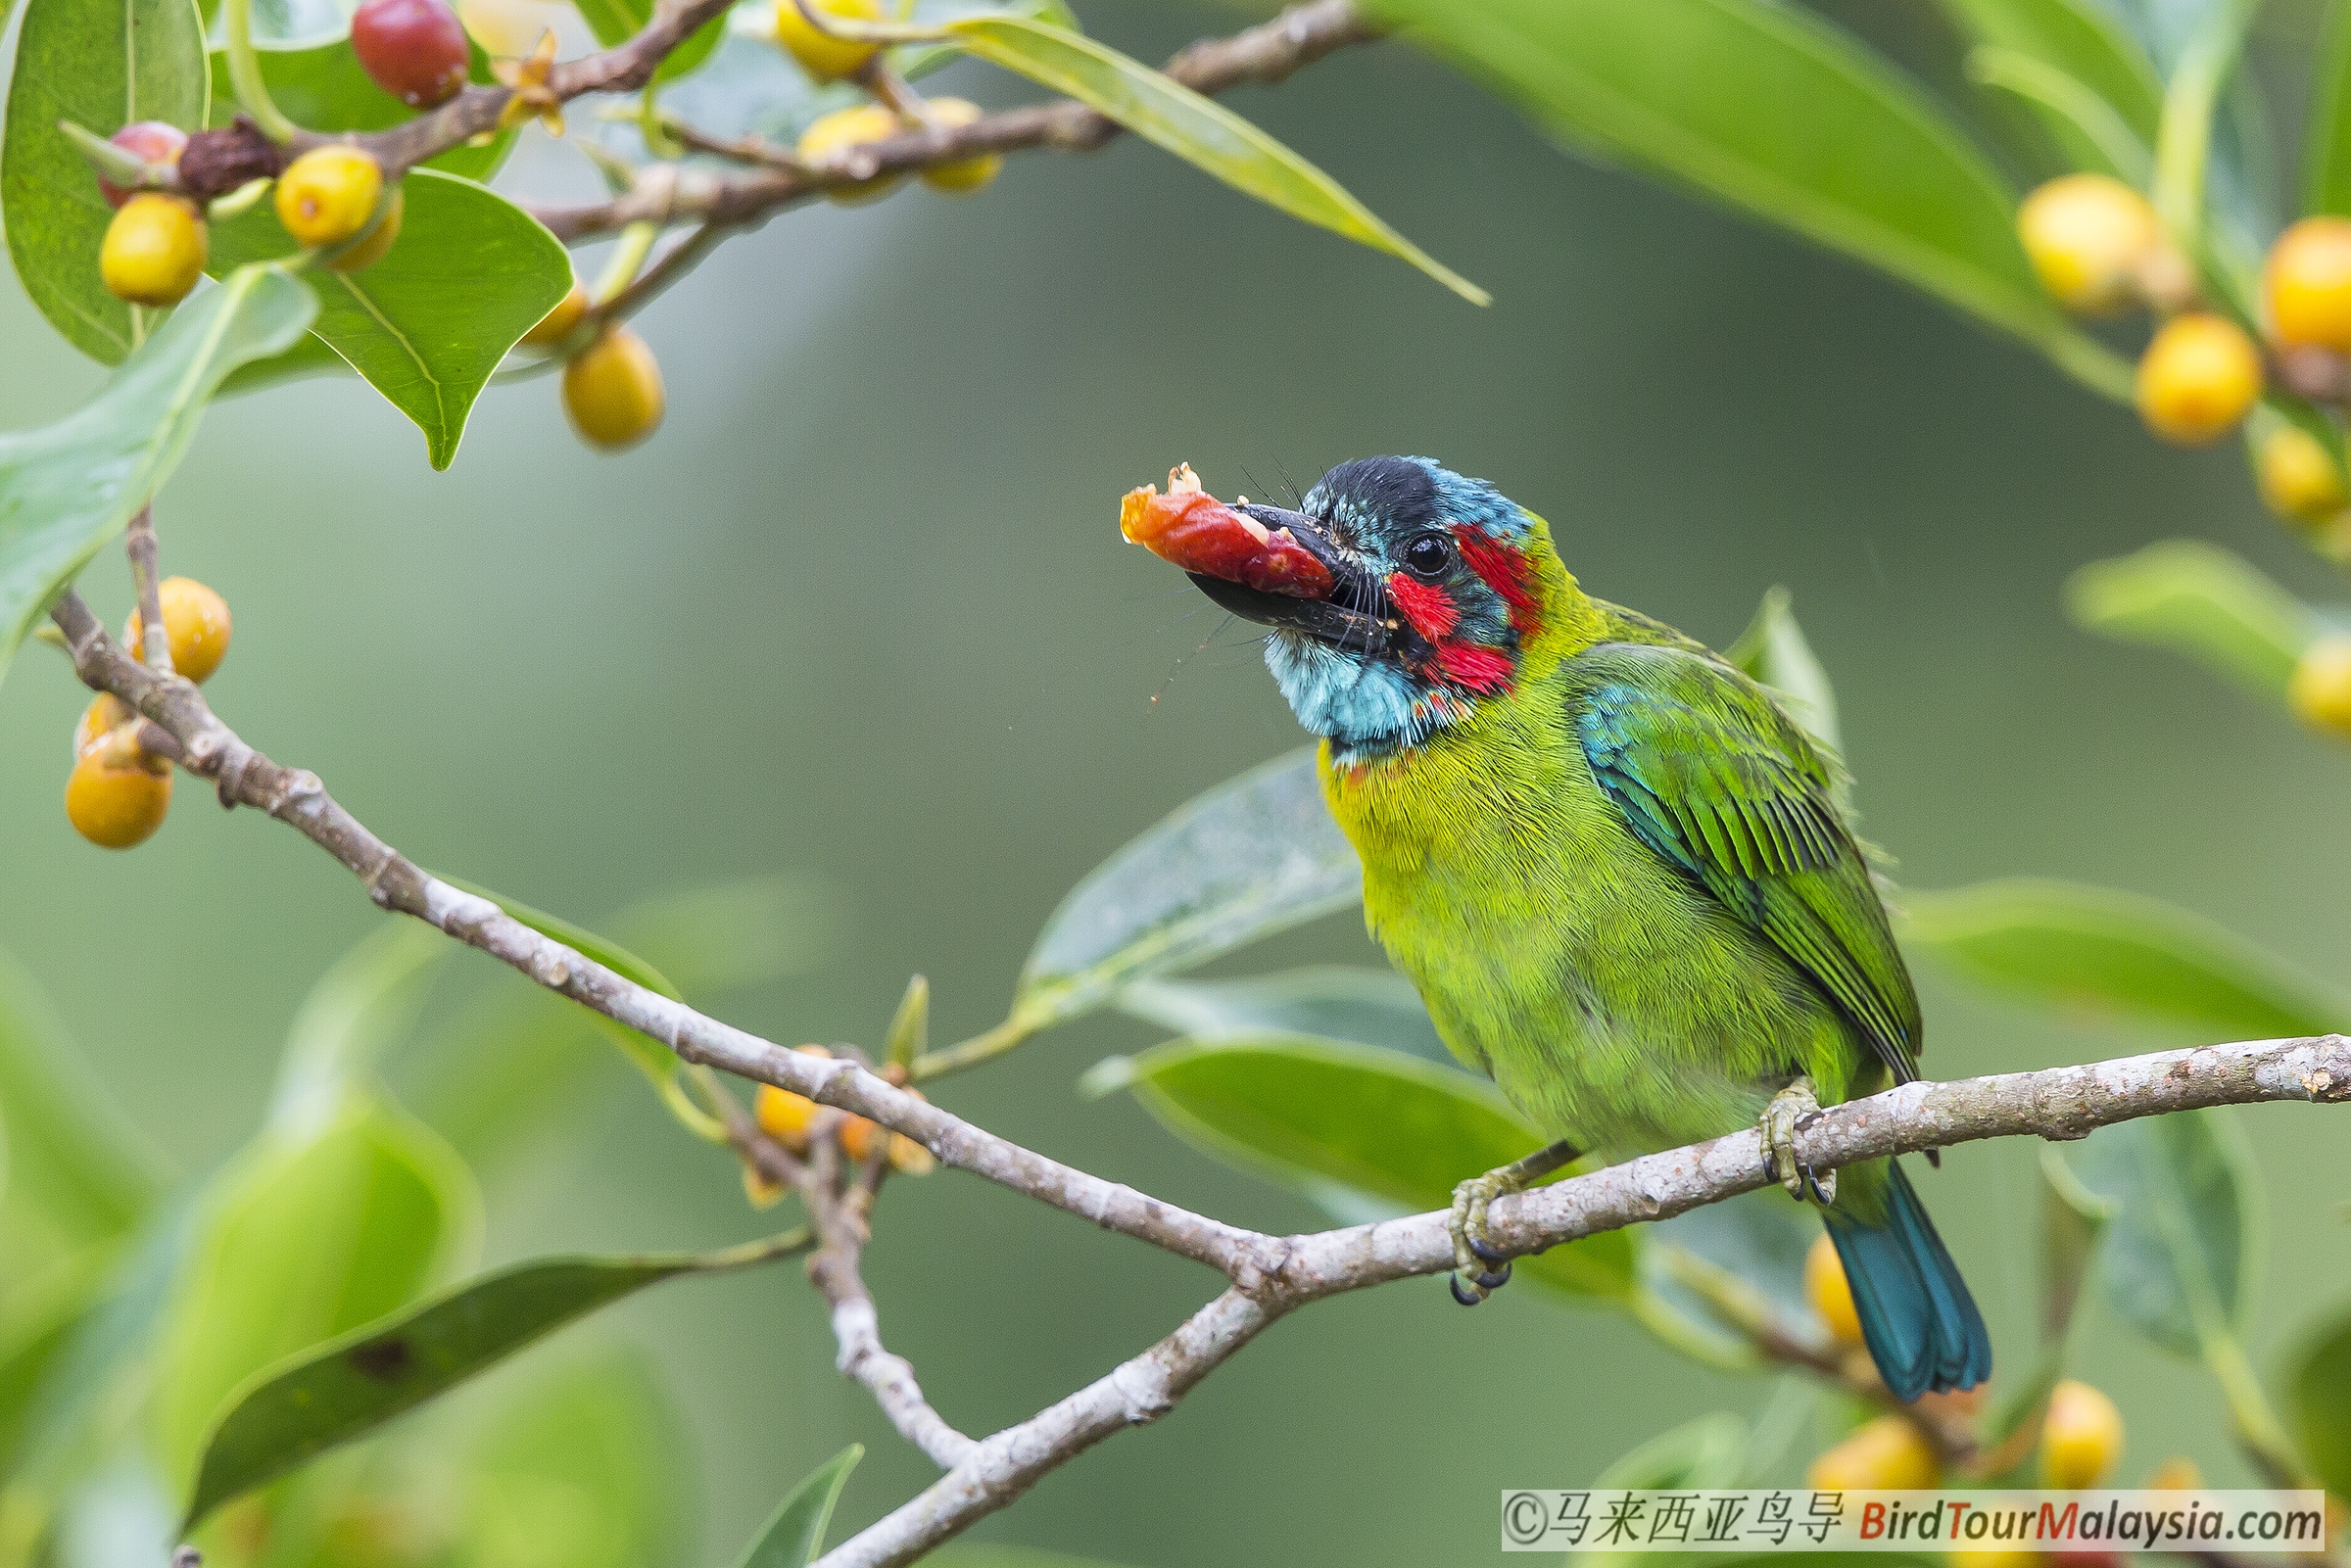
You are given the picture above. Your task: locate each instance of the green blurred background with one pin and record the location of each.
(860, 613)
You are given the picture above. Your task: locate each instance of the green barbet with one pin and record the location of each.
(1610, 861)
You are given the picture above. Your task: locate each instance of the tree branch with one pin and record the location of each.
(1270, 1276)
(1265, 55)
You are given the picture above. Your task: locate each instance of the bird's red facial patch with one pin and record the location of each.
(1474, 668)
(1506, 571)
(1427, 607)
(1433, 614)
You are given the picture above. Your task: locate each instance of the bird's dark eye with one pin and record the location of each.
(1428, 555)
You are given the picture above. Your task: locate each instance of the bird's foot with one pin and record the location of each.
(1479, 1267)
(1791, 1108)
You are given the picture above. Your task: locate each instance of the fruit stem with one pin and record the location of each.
(245, 76)
(155, 638)
(2184, 138)
(628, 260)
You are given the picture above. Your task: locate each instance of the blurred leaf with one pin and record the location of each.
(1255, 855)
(101, 64)
(2099, 955)
(76, 1172)
(469, 275)
(1775, 111)
(2103, 143)
(1773, 650)
(1704, 1274)
(1370, 1007)
(66, 489)
(2327, 156)
(1199, 131)
(308, 357)
(2183, 142)
(336, 1391)
(583, 1463)
(2201, 600)
(962, 1555)
(1372, 1124)
(303, 1240)
(616, 22)
(2174, 1262)
(359, 1007)
(2081, 40)
(2073, 1220)
(39, 1315)
(795, 1532)
(320, 86)
(2320, 1396)
(1703, 1454)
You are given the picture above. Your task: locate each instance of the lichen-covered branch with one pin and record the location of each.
(1269, 1276)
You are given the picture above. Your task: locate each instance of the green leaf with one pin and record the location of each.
(795, 1532)
(1709, 1275)
(1197, 129)
(40, 1315)
(470, 273)
(321, 85)
(101, 64)
(1703, 1454)
(303, 1240)
(1255, 855)
(2081, 41)
(2097, 955)
(2073, 1221)
(2183, 142)
(1773, 650)
(1776, 113)
(616, 22)
(2319, 1395)
(1370, 1007)
(963, 1555)
(2201, 600)
(2327, 156)
(308, 357)
(358, 1009)
(2176, 1261)
(288, 1414)
(66, 489)
(1361, 1131)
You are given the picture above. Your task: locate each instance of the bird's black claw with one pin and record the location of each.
(1935, 1157)
(1463, 1293)
(1495, 1279)
(1812, 1182)
(1486, 1250)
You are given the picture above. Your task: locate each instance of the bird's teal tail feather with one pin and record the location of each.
(1919, 1321)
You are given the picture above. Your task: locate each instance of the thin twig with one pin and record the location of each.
(138, 543)
(1270, 1275)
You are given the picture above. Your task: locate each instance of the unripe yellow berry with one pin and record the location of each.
(2179, 1473)
(1830, 1293)
(784, 1115)
(824, 57)
(2297, 475)
(154, 249)
(829, 135)
(2306, 284)
(106, 714)
(196, 623)
(2087, 236)
(612, 391)
(554, 327)
(1886, 1455)
(759, 1191)
(366, 252)
(328, 194)
(2081, 1437)
(966, 175)
(2198, 378)
(1998, 1558)
(858, 1138)
(2319, 692)
(117, 797)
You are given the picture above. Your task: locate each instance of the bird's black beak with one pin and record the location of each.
(1355, 611)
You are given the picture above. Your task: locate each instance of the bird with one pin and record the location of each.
(1615, 868)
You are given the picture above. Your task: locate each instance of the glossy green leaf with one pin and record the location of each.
(1197, 129)
(303, 1240)
(101, 64)
(2176, 1261)
(2097, 955)
(2326, 152)
(2201, 600)
(1773, 650)
(1361, 1130)
(616, 22)
(321, 84)
(470, 273)
(1773, 111)
(348, 1387)
(1255, 855)
(69, 488)
(359, 1008)
(794, 1533)
(1370, 1007)
(2081, 41)
(2319, 1396)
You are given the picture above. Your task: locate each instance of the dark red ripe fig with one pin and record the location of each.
(413, 48)
(150, 140)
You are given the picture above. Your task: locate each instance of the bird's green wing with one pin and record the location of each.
(1714, 777)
